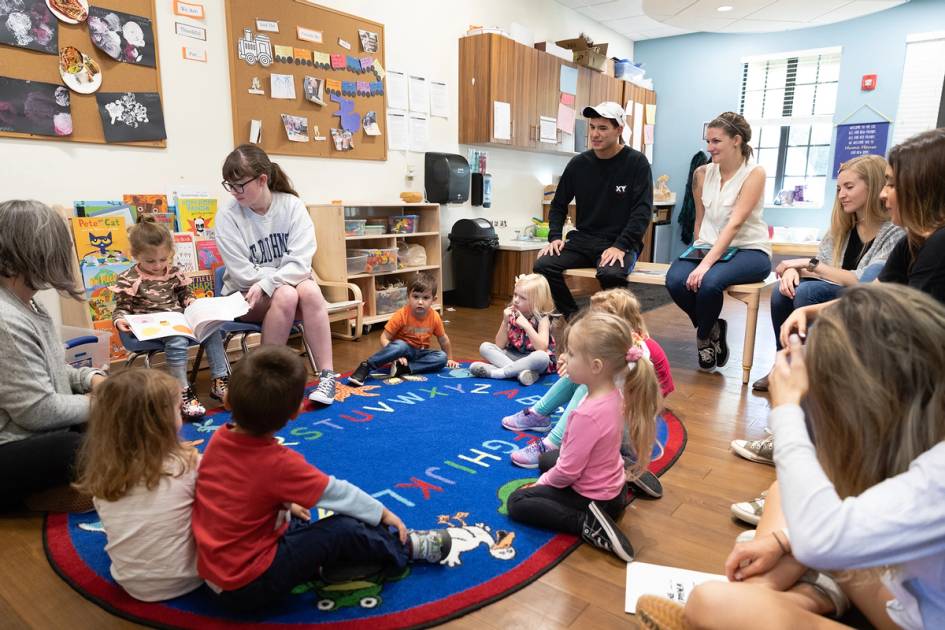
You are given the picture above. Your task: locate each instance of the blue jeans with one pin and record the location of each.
(809, 291)
(703, 306)
(308, 545)
(175, 350)
(417, 360)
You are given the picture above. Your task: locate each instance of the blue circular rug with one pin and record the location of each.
(433, 451)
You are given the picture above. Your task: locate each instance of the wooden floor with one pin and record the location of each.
(689, 527)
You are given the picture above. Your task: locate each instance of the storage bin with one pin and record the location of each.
(402, 224)
(375, 230)
(379, 260)
(357, 264)
(389, 300)
(411, 255)
(92, 348)
(354, 227)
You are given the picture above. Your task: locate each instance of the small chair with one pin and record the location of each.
(148, 349)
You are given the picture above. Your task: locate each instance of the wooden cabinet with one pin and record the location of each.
(330, 257)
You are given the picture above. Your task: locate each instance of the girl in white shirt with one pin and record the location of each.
(142, 480)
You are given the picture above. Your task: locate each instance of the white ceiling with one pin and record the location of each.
(649, 19)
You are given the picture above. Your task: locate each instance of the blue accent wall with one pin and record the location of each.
(698, 76)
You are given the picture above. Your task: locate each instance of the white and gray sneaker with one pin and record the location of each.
(750, 511)
(431, 545)
(324, 393)
(761, 451)
(601, 531)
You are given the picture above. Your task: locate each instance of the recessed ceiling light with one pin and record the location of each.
(724, 8)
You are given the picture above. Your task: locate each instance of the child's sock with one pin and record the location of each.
(431, 545)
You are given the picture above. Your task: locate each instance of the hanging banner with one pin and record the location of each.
(859, 139)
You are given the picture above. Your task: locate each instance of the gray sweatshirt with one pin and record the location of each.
(38, 391)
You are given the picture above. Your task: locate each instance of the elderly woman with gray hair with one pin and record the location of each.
(42, 399)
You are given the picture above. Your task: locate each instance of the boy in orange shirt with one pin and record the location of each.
(405, 342)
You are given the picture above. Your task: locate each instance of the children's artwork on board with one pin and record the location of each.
(69, 11)
(100, 240)
(368, 41)
(29, 24)
(79, 71)
(255, 87)
(282, 86)
(296, 127)
(371, 127)
(316, 135)
(252, 49)
(314, 90)
(122, 36)
(342, 140)
(302, 56)
(350, 119)
(33, 107)
(146, 204)
(131, 116)
(344, 43)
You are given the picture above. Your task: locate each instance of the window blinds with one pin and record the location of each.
(921, 93)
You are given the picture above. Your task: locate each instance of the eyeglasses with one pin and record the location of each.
(237, 188)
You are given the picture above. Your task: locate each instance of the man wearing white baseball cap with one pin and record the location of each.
(612, 186)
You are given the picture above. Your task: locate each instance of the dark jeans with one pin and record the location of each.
(417, 360)
(703, 306)
(305, 547)
(809, 291)
(36, 463)
(579, 251)
(560, 509)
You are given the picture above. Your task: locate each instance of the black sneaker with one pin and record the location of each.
(648, 484)
(360, 375)
(706, 355)
(398, 369)
(719, 333)
(601, 531)
(432, 545)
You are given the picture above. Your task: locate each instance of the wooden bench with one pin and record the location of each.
(750, 294)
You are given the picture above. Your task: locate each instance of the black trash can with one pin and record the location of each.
(473, 243)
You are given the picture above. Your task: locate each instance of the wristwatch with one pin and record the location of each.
(812, 263)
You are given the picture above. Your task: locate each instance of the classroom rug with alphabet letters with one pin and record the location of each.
(433, 451)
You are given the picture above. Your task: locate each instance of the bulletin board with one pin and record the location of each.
(290, 15)
(117, 76)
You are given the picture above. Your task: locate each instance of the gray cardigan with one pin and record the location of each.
(39, 392)
(879, 251)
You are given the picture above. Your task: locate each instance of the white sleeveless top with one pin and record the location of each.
(719, 202)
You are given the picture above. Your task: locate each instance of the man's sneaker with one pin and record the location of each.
(527, 420)
(658, 613)
(750, 511)
(647, 483)
(219, 386)
(601, 531)
(360, 375)
(706, 355)
(398, 369)
(190, 407)
(432, 545)
(325, 392)
(719, 334)
(480, 369)
(527, 457)
(528, 377)
(761, 451)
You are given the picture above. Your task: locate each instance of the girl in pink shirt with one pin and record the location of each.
(583, 492)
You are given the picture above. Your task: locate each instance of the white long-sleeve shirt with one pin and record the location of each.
(899, 521)
(272, 249)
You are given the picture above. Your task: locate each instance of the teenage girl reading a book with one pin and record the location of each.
(729, 200)
(154, 285)
(267, 240)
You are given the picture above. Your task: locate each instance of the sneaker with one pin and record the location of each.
(398, 369)
(761, 451)
(527, 420)
(761, 385)
(360, 375)
(527, 457)
(706, 355)
(480, 369)
(746, 536)
(219, 386)
(750, 511)
(190, 407)
(528, 377)
(325, 392)
(647, 483)
(827, 586)
(659, 613)
(432, 545)
(601, 531)
(719, 334)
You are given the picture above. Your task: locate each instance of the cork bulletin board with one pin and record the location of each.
(294, 50)
(117, 76)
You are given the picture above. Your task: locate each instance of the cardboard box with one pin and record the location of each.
(593, 57)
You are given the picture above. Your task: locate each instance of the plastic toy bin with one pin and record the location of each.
(86, 347)
(379, 260)
(402, 224)
(390, 300)
(354, 227)
(356, 264)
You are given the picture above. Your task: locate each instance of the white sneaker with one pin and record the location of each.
(761, 451)
(750, 511)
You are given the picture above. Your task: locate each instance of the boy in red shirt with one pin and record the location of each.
(251, 521)
(405, 342)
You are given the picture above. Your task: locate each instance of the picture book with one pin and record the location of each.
(185, 255)
(116, 349)
(123, 211)
(84, 208)
(197, 215)
(208, 256)
(101, 301)
(201, 284)
(670, 582)
(198, 321)
(100, 240)
(167, 219)
(102, 275)
(146, 204)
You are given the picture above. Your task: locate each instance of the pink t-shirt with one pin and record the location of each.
(590, 460)
(661, 365)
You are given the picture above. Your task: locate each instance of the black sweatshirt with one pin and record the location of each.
(614, 198)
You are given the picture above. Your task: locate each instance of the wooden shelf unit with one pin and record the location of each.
(329, 262)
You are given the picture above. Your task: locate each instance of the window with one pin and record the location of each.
(789, 100)
(921, 96)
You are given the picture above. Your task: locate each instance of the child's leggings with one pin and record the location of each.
(175, 349)
(509, 364)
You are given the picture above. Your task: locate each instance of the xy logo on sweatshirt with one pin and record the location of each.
(620, 189)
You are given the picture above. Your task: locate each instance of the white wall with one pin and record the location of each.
(422, 38)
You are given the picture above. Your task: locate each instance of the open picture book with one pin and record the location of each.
(201, 319)
(669, 582)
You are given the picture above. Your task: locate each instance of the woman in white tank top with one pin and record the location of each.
(729, 195)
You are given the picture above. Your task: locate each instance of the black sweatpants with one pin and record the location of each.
(36, 463)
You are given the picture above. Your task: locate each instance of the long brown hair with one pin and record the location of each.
(876, 365)
(132, 433)
(872, 170)
(604, 336)
(248, 160)
(918, 167)
(734, 124)
(622, 303)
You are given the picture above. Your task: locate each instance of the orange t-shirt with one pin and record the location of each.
(416, 332)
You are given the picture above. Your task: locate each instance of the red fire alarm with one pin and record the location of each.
(868, 83)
